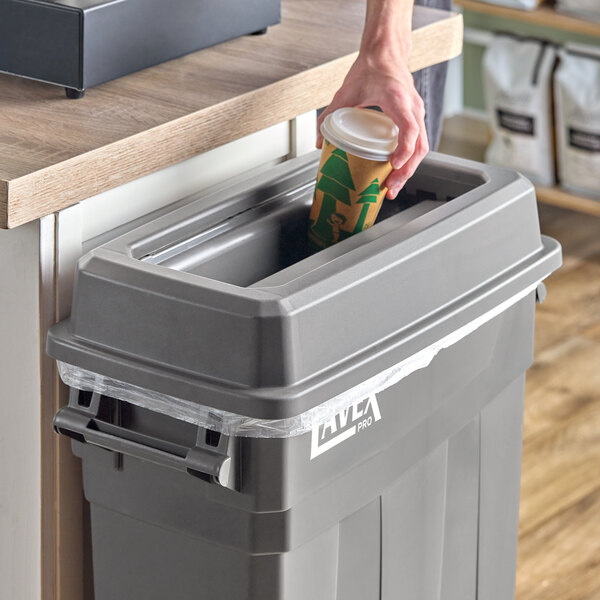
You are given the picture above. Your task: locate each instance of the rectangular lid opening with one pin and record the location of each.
(272, 236)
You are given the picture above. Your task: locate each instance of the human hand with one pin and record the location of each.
(383, 79)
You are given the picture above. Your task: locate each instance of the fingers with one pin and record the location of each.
(400, 101)
(339, 100)
(398, 177)
(319, 122)
(355, 91)
(327, 111)
(409, 115)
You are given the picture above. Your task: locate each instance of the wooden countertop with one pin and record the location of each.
(55, 152)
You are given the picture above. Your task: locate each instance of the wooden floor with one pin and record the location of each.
(559, 534)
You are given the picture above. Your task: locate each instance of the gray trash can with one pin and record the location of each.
(257, 422)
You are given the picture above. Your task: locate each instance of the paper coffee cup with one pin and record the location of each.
(354, 165)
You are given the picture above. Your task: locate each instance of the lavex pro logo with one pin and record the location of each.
(348, 422)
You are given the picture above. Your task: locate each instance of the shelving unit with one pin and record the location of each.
(559, 197)
(544, 16)
(472, 144)
(467, 137)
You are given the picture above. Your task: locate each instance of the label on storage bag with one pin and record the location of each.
(516, 123)
(584, 140)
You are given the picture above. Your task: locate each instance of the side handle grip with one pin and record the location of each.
(202, 460)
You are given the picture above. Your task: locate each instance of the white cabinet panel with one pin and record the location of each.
(20, 474)
(132, 200)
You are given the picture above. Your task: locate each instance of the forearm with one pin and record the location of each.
(387, 31)
(381, 77)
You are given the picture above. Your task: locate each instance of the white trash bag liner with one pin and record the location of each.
(577, 92)
(517, 81)
(239, 425)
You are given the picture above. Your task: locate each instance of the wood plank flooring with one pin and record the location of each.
(559, 533)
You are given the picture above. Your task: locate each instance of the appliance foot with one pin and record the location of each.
(260, 31)
(74, 94)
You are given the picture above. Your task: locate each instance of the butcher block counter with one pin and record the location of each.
(56, 152)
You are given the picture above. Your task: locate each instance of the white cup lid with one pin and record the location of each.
(361, 131)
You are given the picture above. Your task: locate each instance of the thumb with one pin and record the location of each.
(336, 102)
(320, 120)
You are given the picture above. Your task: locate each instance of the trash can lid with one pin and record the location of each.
(220, 302)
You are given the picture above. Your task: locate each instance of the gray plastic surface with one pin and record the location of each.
(409, 493)
(81, 43)
(422, 504)
(225, 307)
(240, 425)
(41, 41)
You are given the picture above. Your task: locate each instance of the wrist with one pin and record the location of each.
(385, 56)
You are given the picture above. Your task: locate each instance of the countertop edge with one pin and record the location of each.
(136, 156)
(177, 140)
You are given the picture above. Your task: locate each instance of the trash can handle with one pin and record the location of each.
(540, 292)
(203, 460)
